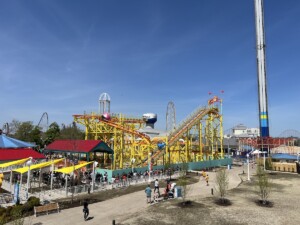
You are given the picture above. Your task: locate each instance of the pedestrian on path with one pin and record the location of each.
(203, 174)
(156, 186)
(85, 209)
(148, 193)
(206, 179)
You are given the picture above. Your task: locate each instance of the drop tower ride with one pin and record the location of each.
(261, 69)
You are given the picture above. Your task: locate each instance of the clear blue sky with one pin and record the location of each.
(58, 56)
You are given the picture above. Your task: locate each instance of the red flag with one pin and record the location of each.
(209, 93)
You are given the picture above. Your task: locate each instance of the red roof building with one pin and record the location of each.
(79, 146)
(10, 154)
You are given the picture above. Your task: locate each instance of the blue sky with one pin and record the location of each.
(58, 56)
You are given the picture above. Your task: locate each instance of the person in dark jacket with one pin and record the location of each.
(86, 209)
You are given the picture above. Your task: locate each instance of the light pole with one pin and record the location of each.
(28, 163)
(94, 175)
(66, 182)
(132, 164)
(149, 167)
(264, 160)
(51, 178)
(228, 151)
(248, 167)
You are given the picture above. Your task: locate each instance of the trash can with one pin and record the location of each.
(178, 192)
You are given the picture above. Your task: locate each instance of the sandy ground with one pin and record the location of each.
(132, 208)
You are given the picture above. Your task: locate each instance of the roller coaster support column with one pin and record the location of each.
(200, 141)
(186, 147)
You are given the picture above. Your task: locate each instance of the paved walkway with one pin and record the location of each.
(121, 207)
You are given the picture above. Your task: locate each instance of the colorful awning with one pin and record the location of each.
(71, 169)
(16, 162)
(37, 166)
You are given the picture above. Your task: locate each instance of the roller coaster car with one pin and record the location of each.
(106, 116)
(161, 145)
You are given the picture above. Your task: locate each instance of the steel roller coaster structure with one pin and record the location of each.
(199, 137)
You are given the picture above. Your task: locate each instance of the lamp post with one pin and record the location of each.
(264, 160)
(51, 176)
(228, 150)
(95, 164)
(149, 167)
(132, 164)
(248, 167)
(66, 178)
(28, 163)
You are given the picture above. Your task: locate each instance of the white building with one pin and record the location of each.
(241, 130)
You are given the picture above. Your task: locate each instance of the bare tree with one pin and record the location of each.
(183, 180)
(222, 182)
(264, 184)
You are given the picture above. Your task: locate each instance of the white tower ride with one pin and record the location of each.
(261, 69)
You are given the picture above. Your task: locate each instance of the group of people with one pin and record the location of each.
(148, 192)
(168, 191)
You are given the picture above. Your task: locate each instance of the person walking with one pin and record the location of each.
(148, 193)
(156, 186)
(85, 209)
(203, 174)
(206, 179)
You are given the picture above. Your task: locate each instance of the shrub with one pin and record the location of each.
(2, 211)
(29, 205)
(222, 182)
(264, 185)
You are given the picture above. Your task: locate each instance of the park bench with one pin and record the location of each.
(46, 208)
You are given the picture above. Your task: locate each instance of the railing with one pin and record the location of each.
(173, 136)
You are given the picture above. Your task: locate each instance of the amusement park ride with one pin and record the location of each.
(199, 137)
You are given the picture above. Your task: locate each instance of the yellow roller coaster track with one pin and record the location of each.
(192, 120)
(198, 137)
(115, 125)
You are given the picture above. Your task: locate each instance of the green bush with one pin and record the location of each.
(2, 211)
(17, 212)
(29, 205)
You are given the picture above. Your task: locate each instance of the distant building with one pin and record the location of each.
(241, 130)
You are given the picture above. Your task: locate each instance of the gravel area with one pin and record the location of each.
(285, 197)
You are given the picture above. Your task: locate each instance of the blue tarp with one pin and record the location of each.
(284, 156)
(8, 142)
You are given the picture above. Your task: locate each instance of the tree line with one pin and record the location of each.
(26, 131)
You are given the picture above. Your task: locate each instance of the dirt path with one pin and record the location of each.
(121, 208)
